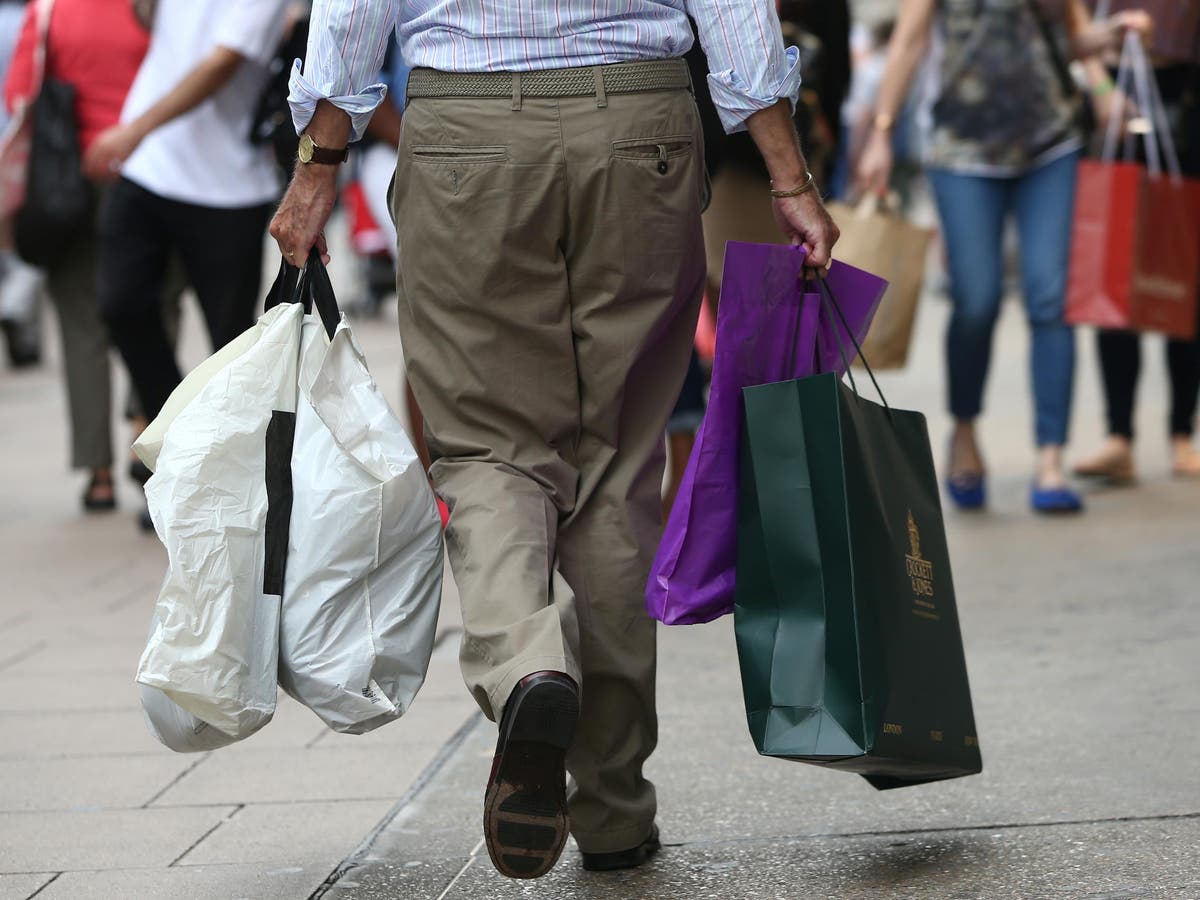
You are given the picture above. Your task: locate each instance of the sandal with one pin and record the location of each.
(100, 495)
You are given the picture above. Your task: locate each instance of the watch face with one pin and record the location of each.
(305, 151)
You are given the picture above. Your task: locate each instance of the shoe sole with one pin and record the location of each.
(1114, 478)
(613, 862)
(525, 811)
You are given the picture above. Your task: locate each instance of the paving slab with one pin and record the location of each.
(88, 782)
(328, 771)
(40, 693)
(58, 841)
(240, 882)
(278, 834)
(429, 718)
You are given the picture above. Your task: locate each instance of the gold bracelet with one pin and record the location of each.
(794, 192)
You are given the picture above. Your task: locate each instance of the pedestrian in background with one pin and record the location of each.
(551, 264)
(20, 283)
(1175, 49)
(1006, 137)
(189, 183)
(96, 47)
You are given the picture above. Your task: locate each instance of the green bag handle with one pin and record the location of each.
(829, 300)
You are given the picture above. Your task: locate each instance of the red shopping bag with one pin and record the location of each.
(1166, 259)
(1135, 250)
(1135, 240)
(1107, 198)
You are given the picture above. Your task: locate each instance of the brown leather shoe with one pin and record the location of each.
(624, 859)
(525, 809)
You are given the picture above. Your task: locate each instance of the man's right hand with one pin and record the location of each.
(299, 222)
(805, 221)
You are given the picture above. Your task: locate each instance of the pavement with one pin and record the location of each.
(1082, 638)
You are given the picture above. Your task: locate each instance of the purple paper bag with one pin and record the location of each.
(769, 328)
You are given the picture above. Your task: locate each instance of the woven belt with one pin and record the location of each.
(620, 78)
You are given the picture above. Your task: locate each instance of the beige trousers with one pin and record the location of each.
(551, 269)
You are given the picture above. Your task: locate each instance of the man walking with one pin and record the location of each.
(548, 195)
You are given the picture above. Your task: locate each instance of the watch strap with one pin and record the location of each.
(329, 157)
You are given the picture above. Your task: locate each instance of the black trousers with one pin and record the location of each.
(1121, 351)
(221, 253)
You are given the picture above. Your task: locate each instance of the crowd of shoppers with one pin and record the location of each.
(1005, 141)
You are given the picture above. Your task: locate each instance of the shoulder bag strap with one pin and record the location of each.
(41, 53)
(1070, 87)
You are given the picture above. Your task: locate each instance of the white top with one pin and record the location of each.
(205, 156)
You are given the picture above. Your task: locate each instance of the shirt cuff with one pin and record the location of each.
(736, 101)
(303, 96)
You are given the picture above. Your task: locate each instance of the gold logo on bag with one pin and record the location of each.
(920, 573)
(1161, 286)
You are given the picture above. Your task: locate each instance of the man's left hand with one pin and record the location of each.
(299, 222)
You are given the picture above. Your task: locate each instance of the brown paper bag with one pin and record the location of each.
(889, 246)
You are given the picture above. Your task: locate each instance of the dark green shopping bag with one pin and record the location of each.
(847, 631)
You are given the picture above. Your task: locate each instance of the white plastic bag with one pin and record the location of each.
(215, 648)
(341, 522)
(364, 574)
(174, 727)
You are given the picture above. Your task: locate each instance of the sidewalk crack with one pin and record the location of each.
(461, 872)
(22, 655)
(902, 832)
(44, 886)
(200, 840)
(178, 778)
(422, 781)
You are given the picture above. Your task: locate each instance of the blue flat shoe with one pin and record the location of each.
(1053, 501)
(968, 491)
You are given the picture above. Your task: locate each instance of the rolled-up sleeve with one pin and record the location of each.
(346, 44)
(749, 69)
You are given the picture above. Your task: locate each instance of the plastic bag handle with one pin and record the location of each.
(284, 288)
(310, 286)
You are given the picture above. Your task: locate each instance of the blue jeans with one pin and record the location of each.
(973, 210)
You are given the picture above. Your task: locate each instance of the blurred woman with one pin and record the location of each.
(95, 46)
(1176, 56)
(1007, 134)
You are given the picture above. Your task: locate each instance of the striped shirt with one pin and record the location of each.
(749, 67)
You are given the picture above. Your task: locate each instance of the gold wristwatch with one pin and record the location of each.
(308, 152)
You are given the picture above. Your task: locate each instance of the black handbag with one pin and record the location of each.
(272, 123)
(59, 199)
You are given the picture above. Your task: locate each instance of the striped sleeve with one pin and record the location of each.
(346, 44)
(749, 69)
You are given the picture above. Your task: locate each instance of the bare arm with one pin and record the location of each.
(309, 200)
(802, 219)
(906, 50)
(115, 144)
(1089, 39)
